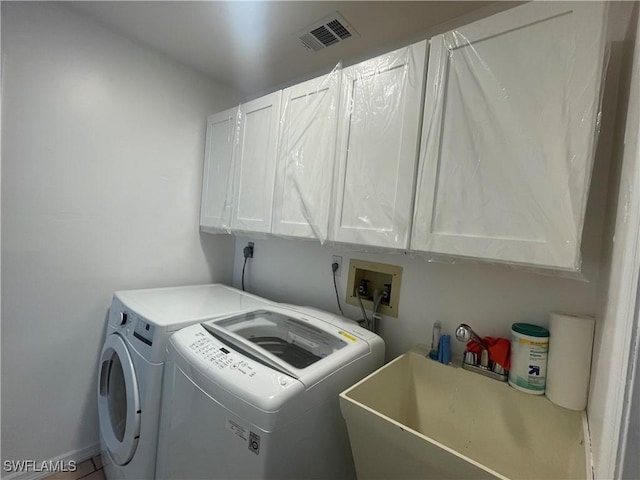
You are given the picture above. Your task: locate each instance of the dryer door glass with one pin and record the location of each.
(117, 397)
(118, 401)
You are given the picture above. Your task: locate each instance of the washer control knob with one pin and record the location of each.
(123, 318)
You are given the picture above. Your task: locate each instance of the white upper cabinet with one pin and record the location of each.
(215, 211)
(255, 164)
(509, 132)
(378, 130)
(306, 158)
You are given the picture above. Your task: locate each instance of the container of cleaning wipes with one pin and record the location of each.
(529, 349)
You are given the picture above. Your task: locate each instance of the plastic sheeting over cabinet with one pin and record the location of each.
(239, 168)
(511, 119)
(500, 171)
(255, 164)
(217, 177)
(332, 159)
(306, 157)
(269, 163)
(379, 126)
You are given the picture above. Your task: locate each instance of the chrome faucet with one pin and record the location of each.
(485, 367)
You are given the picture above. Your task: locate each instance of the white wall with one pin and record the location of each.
(102, 150)
(488, 297)
(630, 462)
(0, 228)
(614, 328)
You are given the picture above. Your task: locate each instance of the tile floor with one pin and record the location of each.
(88, 470)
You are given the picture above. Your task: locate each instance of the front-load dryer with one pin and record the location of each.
(256, 395)
(132, 363)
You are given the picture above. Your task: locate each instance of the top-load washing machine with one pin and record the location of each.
(132, 363)
(255, 395)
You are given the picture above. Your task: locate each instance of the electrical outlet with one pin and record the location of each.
(248, 250)
(337, 259)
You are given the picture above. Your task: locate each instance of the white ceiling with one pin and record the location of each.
(253, 46)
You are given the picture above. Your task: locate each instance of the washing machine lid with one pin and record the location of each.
(295, 343)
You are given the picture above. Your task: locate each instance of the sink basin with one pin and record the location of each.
(416, 418)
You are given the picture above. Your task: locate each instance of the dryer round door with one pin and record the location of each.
(118, 400)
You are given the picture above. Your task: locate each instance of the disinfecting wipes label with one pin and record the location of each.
(529, 364)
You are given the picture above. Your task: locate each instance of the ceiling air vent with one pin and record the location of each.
(330, 30)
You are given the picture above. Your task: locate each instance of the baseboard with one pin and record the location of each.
(77, 456)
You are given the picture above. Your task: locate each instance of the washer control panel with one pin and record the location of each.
(143, 331)
(237, 372)
(211, 351)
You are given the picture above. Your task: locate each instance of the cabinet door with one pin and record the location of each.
(379, 134)
(306, 158)
(509, 130)
(255, 163)
(215, 210)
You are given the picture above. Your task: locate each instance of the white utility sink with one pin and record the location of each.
(416, 418)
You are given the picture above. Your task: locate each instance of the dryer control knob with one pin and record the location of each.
(123, 318)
